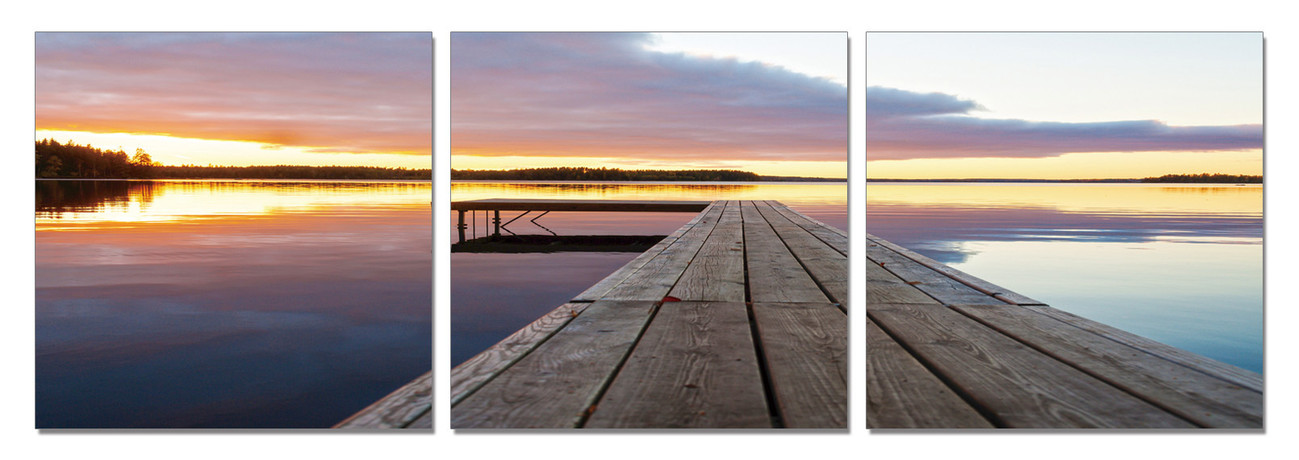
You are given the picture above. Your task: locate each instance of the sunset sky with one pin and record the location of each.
(1063, 105)
(360, 99)
(773, 103)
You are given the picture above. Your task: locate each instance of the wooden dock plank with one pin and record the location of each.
(960, 276)
(883, 286)
(695, 367)
(473, 373)
(834, 237)
(901, 393)
(774, 273)
(934, 283)
(805, 347)
(655, 279)
(1220, 370)
(397, 410)
(1184, 391)
(556, 384)
(596, 291)
(827, 266)
(1016, 385)
(717, 271)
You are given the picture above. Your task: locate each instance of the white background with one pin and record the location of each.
(22, 18)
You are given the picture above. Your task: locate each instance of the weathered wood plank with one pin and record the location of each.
(964, 278)
(805, 347)
(655, 279)
(828, 267)
(1208, 402)
(474, 372)
(883, 286)
(424, 422)
(1016, 385)
(717, 271)
(597, 290)
(1220, 370)
(934, 283)
(695, 367)
(834, 237)
(774, 274)
(556, 384)
(902, 393)
(397, 410)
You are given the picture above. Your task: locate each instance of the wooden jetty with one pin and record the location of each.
(948, 350)
(736, 320)
(410, 406)
(496, 205)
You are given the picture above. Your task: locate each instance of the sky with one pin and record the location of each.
(769, 103)
(359, 99)
(1063, 105)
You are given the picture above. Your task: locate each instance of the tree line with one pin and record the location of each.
(1206, 178)
(55, 160)
(605, 174)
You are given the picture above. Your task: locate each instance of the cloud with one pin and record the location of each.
(348, 92)
(904, 125)
(604, 94)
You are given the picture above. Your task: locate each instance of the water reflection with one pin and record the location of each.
(1179, 264)
(493, 295)
(230, 304)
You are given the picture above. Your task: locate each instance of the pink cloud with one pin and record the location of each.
(603, 94)
(904, 125)
(348, 92)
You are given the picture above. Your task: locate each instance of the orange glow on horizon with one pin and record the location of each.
(1121, 165)
(826, 169)
(176, 151)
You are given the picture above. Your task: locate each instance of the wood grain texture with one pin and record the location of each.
(596, 291)
(965, 278)
(805, 347)
(1208, 402)
(934, 283)
(902, 393)
(397, 410)
(1220, 370)
(556, 384)
(774, 273)
(883, 286)
(1016, 385)
(834, 237)
(474, 372)
(827, 266)
(654, 279)
(695, 367)
(717, 271)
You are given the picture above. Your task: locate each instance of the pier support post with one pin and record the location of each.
(496, 222)
(461, 226)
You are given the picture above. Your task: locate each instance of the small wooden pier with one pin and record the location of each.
(543, 207)
(948, 350)
(736, 320)
(410, 406)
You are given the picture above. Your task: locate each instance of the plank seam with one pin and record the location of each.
(617, 369)
(470, 392)
(825, 292)
(772, 205)
(984, 412)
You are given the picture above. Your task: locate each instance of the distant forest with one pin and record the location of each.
(55, 160)
(1206, 179)
(614, 174)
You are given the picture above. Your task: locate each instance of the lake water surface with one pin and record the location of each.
(1180, 264)
(493, 295)
(228, 303)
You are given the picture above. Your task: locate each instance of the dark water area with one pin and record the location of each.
(1180, 264)
(493, 295)
(236, 304)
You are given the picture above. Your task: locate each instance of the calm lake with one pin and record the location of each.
(1180, 264)
(495, 294)
(241, 304)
